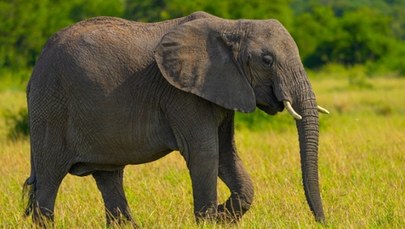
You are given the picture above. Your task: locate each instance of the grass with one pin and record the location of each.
(361, 160)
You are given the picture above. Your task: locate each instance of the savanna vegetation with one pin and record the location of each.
(354, 53)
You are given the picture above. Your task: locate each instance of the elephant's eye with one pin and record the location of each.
(268, 60)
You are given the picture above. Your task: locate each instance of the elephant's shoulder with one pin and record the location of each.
(199, 15)
(194, 16)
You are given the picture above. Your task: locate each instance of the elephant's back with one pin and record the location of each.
(105, 45)
(100, 54)
(113, 36)
(105, 39)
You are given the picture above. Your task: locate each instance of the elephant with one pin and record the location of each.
(107, 92)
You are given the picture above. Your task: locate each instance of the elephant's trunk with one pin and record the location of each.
(308, 129)
(299, 100)
(304, 109)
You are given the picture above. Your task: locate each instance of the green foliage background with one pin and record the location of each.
(346, 32)
(342, 43)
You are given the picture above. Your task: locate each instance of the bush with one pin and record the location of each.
(19, 125)
(260, 121)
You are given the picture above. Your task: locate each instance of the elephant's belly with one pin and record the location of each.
(88, 165)
(115, 146)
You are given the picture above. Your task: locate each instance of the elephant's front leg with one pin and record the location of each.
(203, 165)
(233, 174)
(194, 123)
(199, 146)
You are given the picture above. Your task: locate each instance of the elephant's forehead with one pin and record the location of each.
(276, 37)
(269, 29)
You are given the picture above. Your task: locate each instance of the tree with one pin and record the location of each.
(26, 25)
(342, 31)
(157, 10)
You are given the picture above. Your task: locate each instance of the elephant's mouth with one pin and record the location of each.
(269, 103)
(272, 108)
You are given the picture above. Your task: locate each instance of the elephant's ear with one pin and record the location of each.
(198, 57)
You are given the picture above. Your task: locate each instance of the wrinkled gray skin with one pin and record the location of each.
(107, 92)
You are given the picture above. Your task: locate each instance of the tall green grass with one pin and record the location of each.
(361, 162)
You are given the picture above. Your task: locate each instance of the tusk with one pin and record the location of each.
(322, 110)
(291, 110)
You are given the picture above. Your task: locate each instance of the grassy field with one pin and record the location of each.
(361, 160)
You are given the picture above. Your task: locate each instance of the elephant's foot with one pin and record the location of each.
(221, 215)
(229, 212)
(228, 216)
(224, 217)
(42, 217)
(232, 210)
(209, 214)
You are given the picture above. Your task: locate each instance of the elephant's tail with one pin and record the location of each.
(29, 186)
(29, 194)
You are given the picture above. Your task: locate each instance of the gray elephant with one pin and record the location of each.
(108, 92)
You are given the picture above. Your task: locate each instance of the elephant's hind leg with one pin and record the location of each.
(50, 166)
(47, 180)
(110, 184)
(45, 199)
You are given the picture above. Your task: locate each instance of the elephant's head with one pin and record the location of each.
(243, 64)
